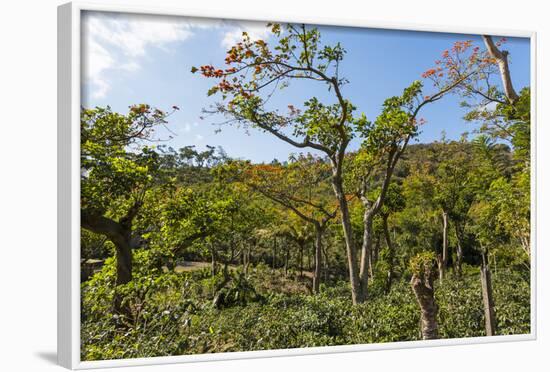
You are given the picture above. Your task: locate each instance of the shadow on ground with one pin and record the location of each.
(48, 356)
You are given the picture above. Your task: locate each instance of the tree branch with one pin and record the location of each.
(305, 143)
(502, 60)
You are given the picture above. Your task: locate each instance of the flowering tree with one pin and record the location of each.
(254, 71)
(503, 113)
(300, 186)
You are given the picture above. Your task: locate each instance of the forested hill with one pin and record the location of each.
(425, 174)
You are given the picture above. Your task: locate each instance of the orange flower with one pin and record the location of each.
(429, 73)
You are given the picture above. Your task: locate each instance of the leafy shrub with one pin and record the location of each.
(177, 313)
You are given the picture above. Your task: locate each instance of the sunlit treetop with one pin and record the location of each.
(470, 64)
(501, 112)
(255, 70)
(110, 174)
(301, 184)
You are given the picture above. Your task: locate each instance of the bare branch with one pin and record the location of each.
(502, 60)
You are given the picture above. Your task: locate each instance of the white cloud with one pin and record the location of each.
(114, 42)
(491, 106)
(97, 60)
(199, 137)
(133, 34)
(130, 66)
(188, 127)
(255, 30)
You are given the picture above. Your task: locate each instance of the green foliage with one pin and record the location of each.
(461, 305)
(395, 200)
(422, 264)
(395, 123)
(224, 250)
(178, 314)
(510, 122)
(111, 175)
(94, 245)
(235, 290)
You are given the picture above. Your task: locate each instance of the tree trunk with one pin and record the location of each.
(444, 253)
(424, 292)
(123, 270)
(274, 261)
(318, 258)
(246, 259)
(502, 61)
(365, 255)
(308, 256)
(371, 262)
(440, 268)
(391, 253)
(302, 259)
(226, 268)
(376, 250)
(325, 262)
(243, 254)
(459, 250)
(123, 262)
(527, 245)
(373, 256)
(356, 294)
(120, 234)
(287, 253)
(487, 293)
(214, 263)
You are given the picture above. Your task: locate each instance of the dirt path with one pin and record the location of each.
(196, 265)
(191, 265)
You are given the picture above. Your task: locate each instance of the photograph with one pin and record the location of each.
(251, 185)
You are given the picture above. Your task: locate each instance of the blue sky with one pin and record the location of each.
(130, 59)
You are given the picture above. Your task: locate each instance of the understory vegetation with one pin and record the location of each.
(177, 313)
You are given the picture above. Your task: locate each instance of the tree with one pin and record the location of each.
(255, 68)
(452, 194)
(484, 229)
(501, 58)
(189, 166)
(502, 113)
(395, 202)
(116, 172)
(300, 186)
(483, 216)
(422, 282)
(294, 229)
(384, 142)
(241, 220)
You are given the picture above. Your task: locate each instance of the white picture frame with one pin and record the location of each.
(69, 91)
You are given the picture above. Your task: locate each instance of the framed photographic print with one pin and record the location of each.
(245, 187)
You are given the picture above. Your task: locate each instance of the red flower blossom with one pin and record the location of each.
(429, 73)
